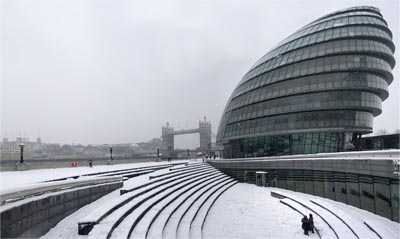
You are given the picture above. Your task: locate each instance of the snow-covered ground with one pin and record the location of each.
(243, 211)
(249, 211)
(21, 179)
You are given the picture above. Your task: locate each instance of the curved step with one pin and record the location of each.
(177, 213)
(115, 171)
(195, 228)
(212, 204)
(142, 201)
(150, 218)
(138, 219)
(181, 170)
(293, 205)
(323, 218)
(193, 165)
(158, 223)
(181, 175)
(347, 225)
(98, 216)
(183, 227)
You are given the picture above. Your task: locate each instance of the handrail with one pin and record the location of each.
(297, 210)
(372, 229)
(305, 206)
(336, 216)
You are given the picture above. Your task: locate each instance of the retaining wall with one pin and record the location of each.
(35, 218)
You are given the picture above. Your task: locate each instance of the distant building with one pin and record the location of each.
(11, 149)
(317, 91)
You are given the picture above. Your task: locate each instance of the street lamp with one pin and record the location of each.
(21, 161)
(111, 158)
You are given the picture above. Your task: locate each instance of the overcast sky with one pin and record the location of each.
(115, 71)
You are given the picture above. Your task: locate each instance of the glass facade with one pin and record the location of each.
(375, 194)
(327, 80)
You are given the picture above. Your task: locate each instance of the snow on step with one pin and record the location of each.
(109, 221)
(156, 230)
(323, 228)
(184, 226)
(383, 230)
(340, 228)
(124, 227)
(171, 228)
(141, 228)
(94, 216)
(143, 225)
(195, 229)
(361, 230)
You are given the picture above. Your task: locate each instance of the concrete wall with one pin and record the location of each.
(35, 218)
(371, 167)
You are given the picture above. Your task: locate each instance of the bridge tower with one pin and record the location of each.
(205, 136)
(167, 141)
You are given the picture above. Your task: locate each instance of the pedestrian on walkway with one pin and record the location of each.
(311, 219)
(90, 163)
(305, 224)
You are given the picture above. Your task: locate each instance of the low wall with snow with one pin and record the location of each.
(11, 165)
(36, 217)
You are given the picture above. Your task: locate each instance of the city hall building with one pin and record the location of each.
(317, 91)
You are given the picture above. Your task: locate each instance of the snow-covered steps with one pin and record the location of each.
(198, 221)
(165, 177)
(97, 216)
(141, 207)
(187, 217)
(141, 225)
(322, 226)
(118, 172)
(113, 213)
(182, 169)
(135, 173)
(342, 223)
(158, 221)
(360, 229)
(156, 207)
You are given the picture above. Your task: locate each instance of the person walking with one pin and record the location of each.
(311, 219)
(305, 225)
(90, 163)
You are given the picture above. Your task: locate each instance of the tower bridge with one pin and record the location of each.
(168, 138)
